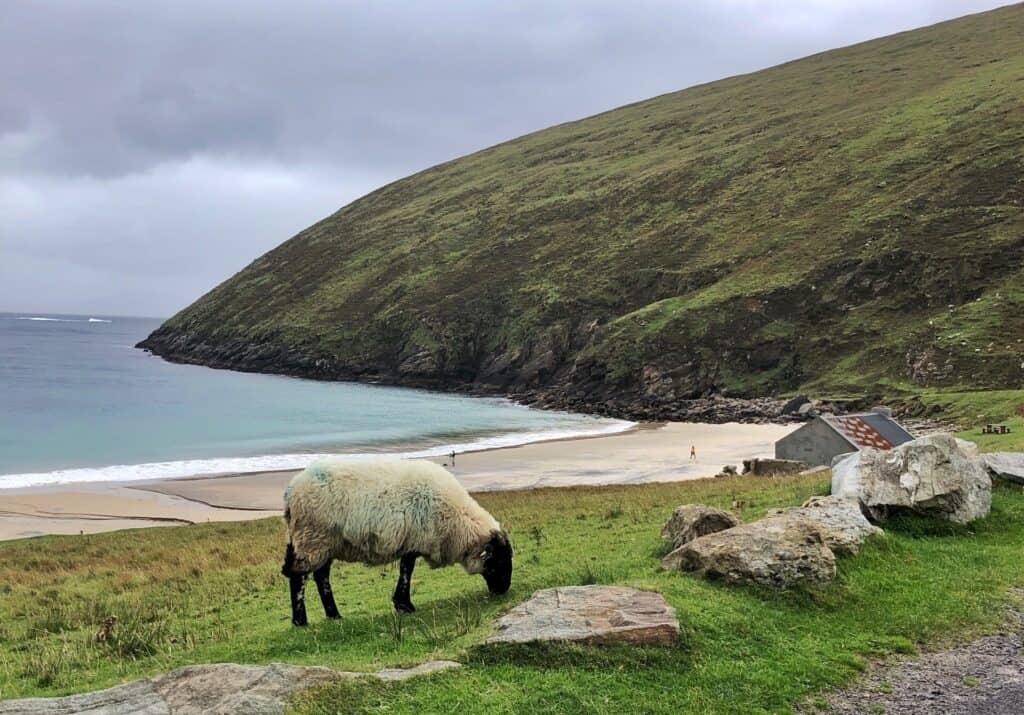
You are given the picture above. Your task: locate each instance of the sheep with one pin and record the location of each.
(380, 511)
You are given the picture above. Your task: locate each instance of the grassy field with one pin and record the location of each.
(213, 593)
(972, 410)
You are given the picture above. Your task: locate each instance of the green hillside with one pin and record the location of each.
(850, 222)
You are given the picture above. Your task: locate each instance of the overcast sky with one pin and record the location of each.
(150, 150)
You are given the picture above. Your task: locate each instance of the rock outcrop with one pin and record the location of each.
(1008, 466)
(596, 615)
(221, 688)
(936, 475)
(792, 407)
(778, 551)
(842, 524)
(691, 521)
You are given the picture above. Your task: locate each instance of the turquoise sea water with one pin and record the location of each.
(79, 403)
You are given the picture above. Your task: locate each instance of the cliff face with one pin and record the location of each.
(849, 222)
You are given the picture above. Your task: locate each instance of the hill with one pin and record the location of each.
(850, 222)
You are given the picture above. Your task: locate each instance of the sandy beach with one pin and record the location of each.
(648, 453)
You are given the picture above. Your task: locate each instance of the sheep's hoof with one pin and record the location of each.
(406, 607)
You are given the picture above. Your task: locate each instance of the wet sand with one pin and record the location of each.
(649, 453)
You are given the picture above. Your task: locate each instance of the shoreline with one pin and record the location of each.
(293, 461)
(645, 452)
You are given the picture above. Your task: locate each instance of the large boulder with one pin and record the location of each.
(691, 521)
(936, 475)
(1006, 465)
(778, 551)
(595, 615)
(842, 524)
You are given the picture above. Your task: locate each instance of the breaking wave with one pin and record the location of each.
(63, 320)
(280, 462)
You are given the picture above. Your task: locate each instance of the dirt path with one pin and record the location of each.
(984, 677)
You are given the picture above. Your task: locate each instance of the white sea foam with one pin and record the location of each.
(63, 320)
(273, 462)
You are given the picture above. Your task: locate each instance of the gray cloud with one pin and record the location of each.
(148, 152)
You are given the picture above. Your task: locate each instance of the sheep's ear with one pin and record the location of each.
(503, 539)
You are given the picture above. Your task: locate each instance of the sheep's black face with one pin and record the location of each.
(498, 563)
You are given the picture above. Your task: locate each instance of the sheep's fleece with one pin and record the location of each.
(374, 512)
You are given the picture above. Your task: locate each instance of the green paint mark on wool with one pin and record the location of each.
(320, 474)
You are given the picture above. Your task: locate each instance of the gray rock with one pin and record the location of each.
(840, 521)
(936, 475)
(216, 689)
(691, 521)
(420, 363)
(764, 467)
(793, 406)
(392, 675)
(596, 615)
(778, 551)
(1006, 465)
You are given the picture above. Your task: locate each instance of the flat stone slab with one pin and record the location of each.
(596, 615)
(217, 689)
(1006, 465)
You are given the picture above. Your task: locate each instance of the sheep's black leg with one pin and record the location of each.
(322, 577)
(298, 587)
(297, 583)
(401, 596)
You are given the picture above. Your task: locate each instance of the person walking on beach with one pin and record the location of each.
(693, 451)
(451, 456)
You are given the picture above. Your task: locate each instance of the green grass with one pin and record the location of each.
(1013, 442)
(211, 593)
(849, 222)
(973, 410)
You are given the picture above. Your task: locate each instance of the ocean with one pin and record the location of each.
(79, 403)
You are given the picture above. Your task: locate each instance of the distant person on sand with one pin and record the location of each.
(451, 456)
(693, 451)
